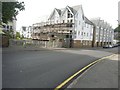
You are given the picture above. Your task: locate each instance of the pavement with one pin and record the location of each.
(102, 75)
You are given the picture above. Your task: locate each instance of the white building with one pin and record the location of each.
(104, 34)
(11, 25)
(69, 21)
(26, 31)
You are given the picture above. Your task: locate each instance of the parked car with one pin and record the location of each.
(108, 46)
(116, 45)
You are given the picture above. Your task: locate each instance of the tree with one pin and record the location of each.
(9, 33)
(117, 29)
(10, 10)
(117, 33)
(17, 35)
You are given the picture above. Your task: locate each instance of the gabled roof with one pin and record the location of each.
(71, 9)
(88, 21)
(76, 8)
(96, 21)
(58, 10)
(101, 23)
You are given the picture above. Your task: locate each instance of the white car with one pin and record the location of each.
(108, 46)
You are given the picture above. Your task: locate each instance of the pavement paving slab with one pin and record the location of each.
(102, 75)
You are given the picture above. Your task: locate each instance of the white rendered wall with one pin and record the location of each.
(79, 23)
(55, 18)
(80, 27)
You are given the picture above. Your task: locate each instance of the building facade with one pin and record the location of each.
(104, 34)
(26, 31)
(11, 25)
(68, 25)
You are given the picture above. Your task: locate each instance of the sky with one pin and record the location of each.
(38, 10)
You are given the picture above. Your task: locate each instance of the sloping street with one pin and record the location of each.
(45, 68)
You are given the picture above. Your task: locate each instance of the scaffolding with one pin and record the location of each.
(48, 31)
(61, 32)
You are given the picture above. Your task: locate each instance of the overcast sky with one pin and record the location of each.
(39, 10)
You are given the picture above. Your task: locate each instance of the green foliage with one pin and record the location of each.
(9, 34)
(11, 9)
(17, 35)
(117, 33)
(117, 29)
(22, 37)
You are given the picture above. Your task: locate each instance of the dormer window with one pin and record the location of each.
(71, 21)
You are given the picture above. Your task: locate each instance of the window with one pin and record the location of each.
(82, 33)
(68, 21)
(7, 27)
(71, 21)
(11, 27)
(78, 32)
(87, 34)
(75, 32)
(63, 21)
(82, 27)
(70, 25)
(69, 15)
(52, 35)
(67, 36)
(79, 22)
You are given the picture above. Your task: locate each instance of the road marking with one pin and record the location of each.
(84, 68)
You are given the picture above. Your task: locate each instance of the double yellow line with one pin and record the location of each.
(85, 68)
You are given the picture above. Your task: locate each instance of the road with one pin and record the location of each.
(45, 68)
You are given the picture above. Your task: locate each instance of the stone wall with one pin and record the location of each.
(83, 43)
